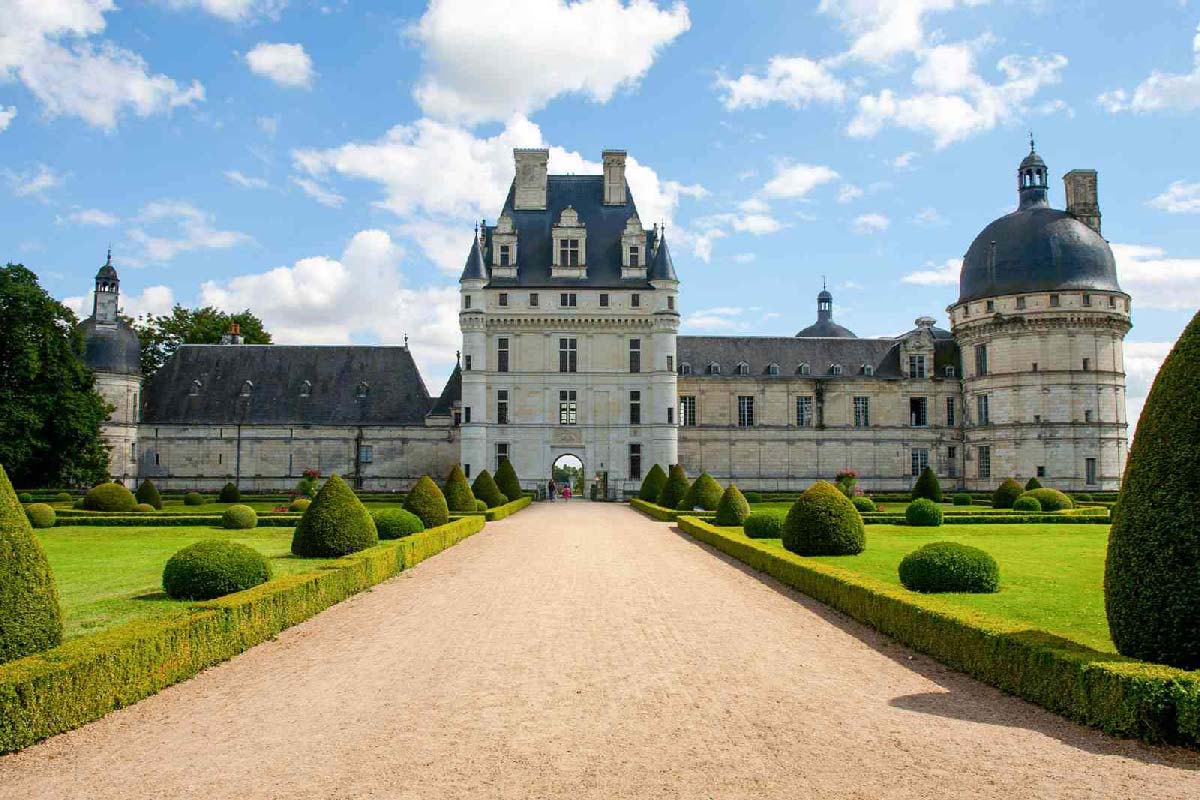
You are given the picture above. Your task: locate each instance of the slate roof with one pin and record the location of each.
(396, 394)
(663, 269)
(451, 394)
(111, 348)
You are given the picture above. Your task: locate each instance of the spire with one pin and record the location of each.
(662, 269)
(106, 297)
(824, 304)
(474, 269)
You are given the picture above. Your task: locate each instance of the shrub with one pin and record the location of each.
(927, 486)
(63, 497)
(40, 515)
(763, 525)
(704, 493)
(457, 492)
(24, 498)
(1152, 574)
(78, 503)
(143, 508)
(485, 489)
(652, 484)
(1050, 499)
(1026, 503)
(507, 480)
(428, 503)
(675, 487)
(148, 493)
(823, 522)
(732, 508)
(949, 567)
(30, 618)
(1008, 491)
(213, 568)
(481, 506)
(1033, 483)
(962, 499)
(336, 523)
(846, 482)
(239, 518)
(863, 503)
(753, 497)
(923, 513)
(300, 504)
(109, 497)
(396, 523)
(1082, 497)
(193, 499)
(230, 493)
(310, 484)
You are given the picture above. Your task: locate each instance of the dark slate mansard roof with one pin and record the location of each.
(451, 394)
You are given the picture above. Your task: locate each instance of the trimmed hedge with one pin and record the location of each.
(25, 498)
(1120, 696)
(1027, 503)
(1007, 493)
(40, 515)
(732, 509)
(508, 482)
(239, 518)
(299, 505)
(652, 484)
(995, 519)
(143, 508)
(963, 500)
(230, 493)
(151, 520)
(485, 489)
(458, 492)
(949, 567)
(396, 523)
(214, 568)
(148, 493)
(863, 503)
(30, 617)
(336, 524)
(109, 497)
(508, 509)
(674, 489)
(193, 499)
(657, 512)
(763, 525)
(823, 522)
(924, 513)
(426, 500)
(1050, 499)
(704, 493)
(927, 486)
(753, 497)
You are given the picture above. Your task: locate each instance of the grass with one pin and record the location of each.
(893, 508)
(111, 575)
(216, 509)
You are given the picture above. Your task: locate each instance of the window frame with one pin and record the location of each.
(745, 411)
(568, 407)
(687, 411)
(568, 354)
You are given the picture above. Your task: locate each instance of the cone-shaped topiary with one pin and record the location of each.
(823, 522)
(239, 518)
(1152, 575)
(213, 568)
(924, 513)
(652, 484)
(335, 524)
(704, 493)
(1007, 492)
(949, 567)
(148, 493)
(457, 491)
(927, 486)
(428, 503)
(1050, 499)
(675, 487)
(763, 525)
(485, 489)
(1027, 503)
(396, 523)
(732, 508)
(1032, 483)
(230, 493)
(40, 515)
(507, 480)
(109, 497)
(30, 619)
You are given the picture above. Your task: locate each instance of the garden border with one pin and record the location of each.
(148, 520)
(664, 514)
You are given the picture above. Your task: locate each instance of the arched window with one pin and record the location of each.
(835, 369)
(803, 369)
(247, 388)
(868, 370)
(950, 371)
(685, 368)
(743, 368)
(772, 369)
(362, 390)
(714, 368)
(305, 388)
(196, 386)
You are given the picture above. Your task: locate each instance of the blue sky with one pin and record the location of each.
(323, 162)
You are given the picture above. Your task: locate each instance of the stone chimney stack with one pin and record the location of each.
(234, 336)
(1082, 197)
(614, 177)
(531, 178)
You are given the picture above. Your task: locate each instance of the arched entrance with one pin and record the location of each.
(568, 471)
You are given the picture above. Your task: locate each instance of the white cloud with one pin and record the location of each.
(944, 274)
(884, 29)
(794, 81)
(542, 48)
(268, 125)
(7, 115)
(91, 216)
(1156, 280)
(183, 228)
(285, 64)
(870, 224)
(721, 319)
(153, 301)
(234, 10)
(1142, 362)
(33, 182)
(743, 258)
(757, 224)
(1179, 198)
(848, 193)
(903, 161)
(1162, 91)
(797, 180)
(245, 181)
(324, 196)
(928, 216)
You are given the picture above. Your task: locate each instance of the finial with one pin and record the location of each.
(108, 263)
(1031, 143)
(824, 287)
(457, 357)
(406, 339)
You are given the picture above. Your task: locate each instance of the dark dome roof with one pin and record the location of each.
(827, 329)
(111, 348)
(1037, 249)
(1032, 160)
(824, 295)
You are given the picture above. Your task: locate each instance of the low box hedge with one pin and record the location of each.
(508, 509)
(1119, 695)
(663, 514)
(85, 678)
(994, 519)
(150, 520)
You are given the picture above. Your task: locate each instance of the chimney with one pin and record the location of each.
(531, 178)
(1082, 197)
(614, 177)
(234, 336)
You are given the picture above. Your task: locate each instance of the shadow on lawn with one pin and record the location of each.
(964, 697)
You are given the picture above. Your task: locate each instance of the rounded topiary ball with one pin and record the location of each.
(863, 503)
(763, 525)
(336, 524)
(24, 498)
(823, 522)
(40, 515)
(193, 499)
(396, 523)
(148, 493)
(1050, 499)
(949, 567)
(480, 506)
(753, 497)
(1027, 504)
(109, 497)
(962, 499)
(142, 508)
(427, 502)
(213, 568)
(1082, 497)
(1007, 492)
(63, 497)
(923, 513)
(299, 505)
(239, 518)
(732, 509)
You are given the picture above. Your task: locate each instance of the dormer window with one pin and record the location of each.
(868, 370)
(835, 369)
(714, 368)
(196, 386)
(772, 369)
(804, 369)
(570, 246)
(305, 388)
(568, 252)
(247, 389)
(504, 248)
(685, 368)
(742, 368)
(362, 390)
(505, 255)
(633, 248)
(635, 256)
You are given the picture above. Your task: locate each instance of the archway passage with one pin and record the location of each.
(567, 471)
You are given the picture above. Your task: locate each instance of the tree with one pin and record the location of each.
(50, 413)
(161, 335)
(927, 486)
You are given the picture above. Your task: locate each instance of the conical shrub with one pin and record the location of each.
(704, 493)
(652, 484)
(485, 489)
(426, 500)
(230, 493)
(335, 524)
(1152, 574)
(1007, 493)
(507, 480)
(148, 493)
(30, 617)
(927, 486)
(823, 522)
(732, 509)
(675, 487)
(457, 491)
(1032, 483)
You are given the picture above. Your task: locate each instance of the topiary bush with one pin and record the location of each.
(63, 497)
(336, 523)
(230, 493)
(675, 487)
(1027, 503)
(214, 568)
(193, 499)
(40, 515)
(1152, 574)
(1081, 497)
(300, 505)
(25, 498)
(846, 482)
(652, 484)
(1032, 483)
(962, 499)
(949, 567)
(763, 525)
(428, 503)
(704, 493)
(143, 508)
(1050, 499)
(396, 523)
(30, 618)
(77, 504)
(148, 493)
(823, 522)
(863, 503)
(480, 506)
(927, 486)
(923, 513)
(1007, 492)
(109, 497)
(485, 489)
(752, 497)
(732, 508)
(239, 518)
(507, 480)
(457, 492)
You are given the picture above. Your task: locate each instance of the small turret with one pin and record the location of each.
(1032, 183)
(106, 299)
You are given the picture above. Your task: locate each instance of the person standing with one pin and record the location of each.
(550, 489)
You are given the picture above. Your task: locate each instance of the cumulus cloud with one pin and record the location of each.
(91, 216)
(1179, 198)
(870, 224)
(931, 274)
(7, 115)
(543, 48)
(1142, 362)
(903, 161)
(285, 64)
(152, 301)
(883, 29)
(179, 227)
(1161, 91)
(797, 180)
(848, 193)
(234, 10)
(32, 182)
(928, 216)
(1157, 280)
(794, 81)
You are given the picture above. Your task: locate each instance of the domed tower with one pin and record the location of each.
(825, 327)
(112, 350)
(1041, 321)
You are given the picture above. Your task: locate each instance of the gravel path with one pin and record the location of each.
(584, 651)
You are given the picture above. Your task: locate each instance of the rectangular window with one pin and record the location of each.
(467, 414)
(804, 411)
(1020, 303)
(920, 460)
(635, 462)
(502, 354)
(984, 463)
(504, 299)
(745, 411)
(568, 252)
(1112, 302)
(466, 301)
(670, 416)
(501, 453)
(156, 461)
(1035, 366)
(1087, 364)
(635, 355)
(501, 406)
(981, 407)
(366, 453)
(467, 470)
(687, 411)
(1087, 415)
(636, 301)
(505, 255)
(950, 411)
(1087, 300)
(1054, 301)
(951, 468)
(603, 300)
(567, 354)
(567, 300)
(568, 410)
(991, 306)
(670, 302)
(670, 363)
(918, 412)
(467, 363)
(533, 299)
(981, 367)
(635, 408)
(916, 366)
(1090, 467)
(635, 256)
(862, 412)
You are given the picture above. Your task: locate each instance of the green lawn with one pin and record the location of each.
(216, 509)
(893, 508)
(108, 576)
(1051, 576)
